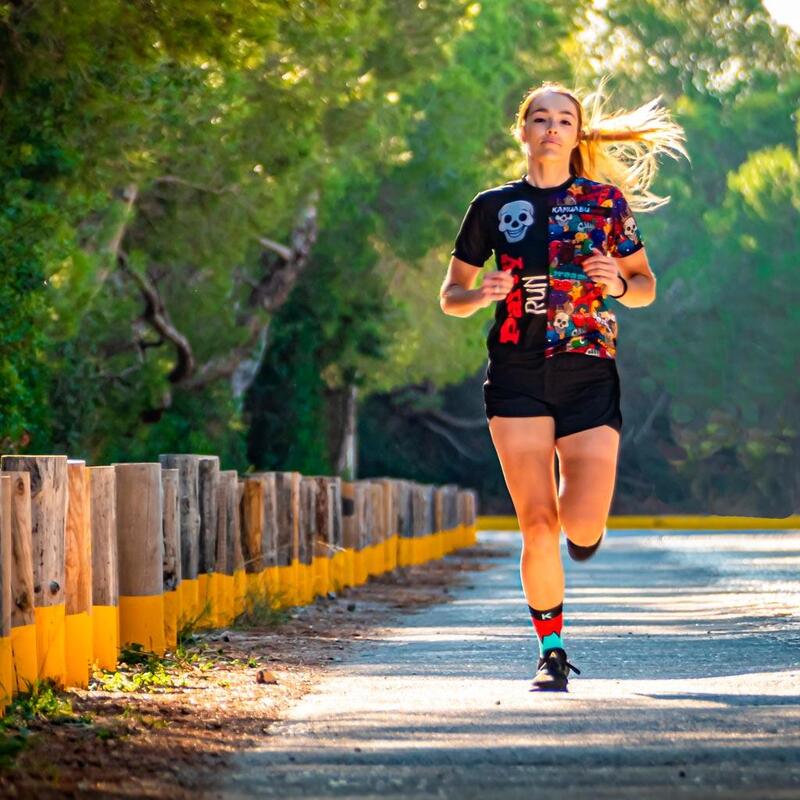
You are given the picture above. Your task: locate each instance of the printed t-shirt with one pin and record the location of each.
(542, 236)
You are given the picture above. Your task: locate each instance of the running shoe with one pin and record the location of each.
(552, 670)
(578, 552)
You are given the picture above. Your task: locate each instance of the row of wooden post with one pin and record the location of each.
(94, 558)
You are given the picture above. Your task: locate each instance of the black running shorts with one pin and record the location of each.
(577, 390)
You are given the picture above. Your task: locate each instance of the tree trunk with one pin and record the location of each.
(342, 431)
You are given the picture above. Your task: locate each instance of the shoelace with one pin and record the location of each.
(572, 666)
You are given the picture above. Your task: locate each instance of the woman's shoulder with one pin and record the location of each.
(588, 186)
(496, 192)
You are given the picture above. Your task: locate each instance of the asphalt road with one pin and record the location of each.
(689, 651)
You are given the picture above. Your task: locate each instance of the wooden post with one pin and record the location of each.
(78, 575)
(389, 543)
(23, 624)
(406, 527)
(307, 533)
(207, 482)
(452, 517)
(188, 469)
(227, 531)
(287, 490)
(252, 520)
(239, 574)
(140, 543)
(105, 584)
(269, 541)
(323, 545)
(171, 523)
(336, 543)
(379, 534)
(350, 532)
(48, 476)
(395, 522)
(7, 682)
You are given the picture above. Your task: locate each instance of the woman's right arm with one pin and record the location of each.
(457, 297)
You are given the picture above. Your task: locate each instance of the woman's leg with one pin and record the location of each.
(525, 448)
(587, 463)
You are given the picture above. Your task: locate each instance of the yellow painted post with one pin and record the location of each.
(349, 532)
(252, 535)
(287, 488)
(239, 574)
(188, 468)
(78, 576)
(7, 682)
(140, 544)
(227, 533)
(170, 483)
(23, 624)
(307, 522)
(49, 526)
(207, 481)
(105, 587)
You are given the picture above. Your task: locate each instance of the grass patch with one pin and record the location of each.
(188, 628)
(263, 611)
(140, 671)
(42, 702)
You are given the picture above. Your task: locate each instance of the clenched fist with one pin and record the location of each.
(496, 285)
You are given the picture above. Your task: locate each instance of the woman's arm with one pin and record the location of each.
(635, 268)
(457, 297)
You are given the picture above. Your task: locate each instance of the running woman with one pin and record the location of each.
(564, 239)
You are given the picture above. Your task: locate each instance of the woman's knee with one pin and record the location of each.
(540, 526)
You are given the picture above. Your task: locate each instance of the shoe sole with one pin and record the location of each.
(558, 686)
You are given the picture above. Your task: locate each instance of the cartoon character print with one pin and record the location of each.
(631, 236)
(578, 320)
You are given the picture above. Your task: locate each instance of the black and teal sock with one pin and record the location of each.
(548, 624)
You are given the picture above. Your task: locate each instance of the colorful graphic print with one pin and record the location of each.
(591, 215)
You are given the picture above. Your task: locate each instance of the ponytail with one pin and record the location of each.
(618, 148)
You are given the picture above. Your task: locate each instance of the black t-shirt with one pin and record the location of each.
(518, 212)
(541, 237)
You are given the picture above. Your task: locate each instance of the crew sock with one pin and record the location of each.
(547, 624)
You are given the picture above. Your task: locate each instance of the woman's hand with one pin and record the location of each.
(603, 269)
(496, 285)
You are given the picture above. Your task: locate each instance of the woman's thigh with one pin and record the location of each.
(587, 466)
(526, 449)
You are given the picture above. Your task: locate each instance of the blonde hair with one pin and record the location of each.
(618, 148)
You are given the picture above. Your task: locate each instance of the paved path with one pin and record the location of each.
(689, 647)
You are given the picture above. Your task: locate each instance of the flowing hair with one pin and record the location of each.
(618, 148)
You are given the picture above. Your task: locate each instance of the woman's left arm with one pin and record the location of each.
(635, 268)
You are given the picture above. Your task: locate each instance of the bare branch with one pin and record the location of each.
(156, 316)
(174, 179)
(284, 252)
(269, 294)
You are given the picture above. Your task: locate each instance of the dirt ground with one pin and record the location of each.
(161, 728)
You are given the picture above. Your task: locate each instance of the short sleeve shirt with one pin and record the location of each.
(542, 235)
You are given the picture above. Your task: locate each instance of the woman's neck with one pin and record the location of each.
(546, 173)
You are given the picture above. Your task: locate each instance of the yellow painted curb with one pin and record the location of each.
(105, 636)
(6, 672)
(669, 521)
(23, 650)
(50, 647)
(141, 619)
(78, 652)
(171, 603)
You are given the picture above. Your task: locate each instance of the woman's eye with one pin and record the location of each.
(566, 122)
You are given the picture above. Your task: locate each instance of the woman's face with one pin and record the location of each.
(551, 127)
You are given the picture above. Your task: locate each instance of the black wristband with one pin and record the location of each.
(625, 283)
